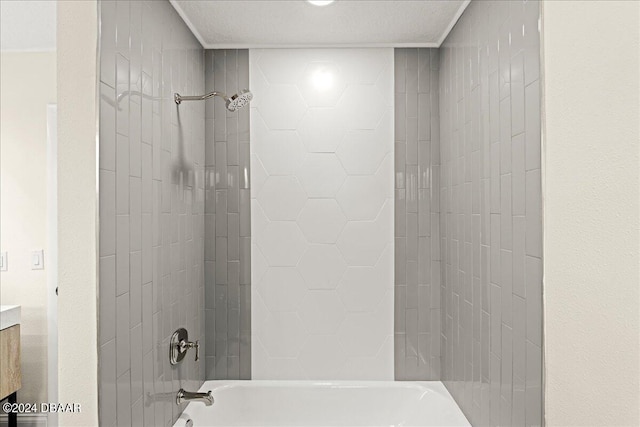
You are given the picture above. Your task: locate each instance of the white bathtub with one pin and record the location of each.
(335, 403)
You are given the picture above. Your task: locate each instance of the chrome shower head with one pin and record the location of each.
(233, 103)
(239, 100)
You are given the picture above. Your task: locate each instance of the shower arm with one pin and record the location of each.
(179, 98)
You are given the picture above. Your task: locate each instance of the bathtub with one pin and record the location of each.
(316, 403)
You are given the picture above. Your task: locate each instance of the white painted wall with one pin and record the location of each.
(77, 37)
(591, 222)
(28, 84)
(322, 213)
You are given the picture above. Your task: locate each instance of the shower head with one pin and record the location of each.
(233, 103)
(239, 100)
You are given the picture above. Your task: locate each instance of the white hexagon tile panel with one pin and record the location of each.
(322, 216)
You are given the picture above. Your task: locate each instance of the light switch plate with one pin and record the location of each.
(4, 261)
(37, 260)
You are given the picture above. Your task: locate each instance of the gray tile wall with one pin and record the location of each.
(227, 220)
(151, 210)
(417, 225)
(491, 213)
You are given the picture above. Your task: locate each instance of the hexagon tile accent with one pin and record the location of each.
(322, 84)
(282, 198)
(321, 175)
(361, 197)
(282, 151)
(362, 151)
(321, 220)
(322, 266)
(319, 138)
(281, 106)
(282, 243)
(323, 223)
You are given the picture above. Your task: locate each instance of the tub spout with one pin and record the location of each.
(187, 396)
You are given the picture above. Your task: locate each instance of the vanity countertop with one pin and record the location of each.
(9, 316)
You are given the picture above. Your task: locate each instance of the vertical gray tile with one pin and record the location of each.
(245, 217)
(244, 171)
(150, 233)
(135, 347)
(424, 70)
(400, 318)
(519, 338)
(135, 288)
(494, 401)
(147, 254)
(135, 117)
(221, 209)
(506, 376)
(122, 175)
(494, 253)
(506, 286)
(531, 41)
(147, 318)
(108, 43)
(107, 385)
(534, 213)
(424, 263)
(495, 178)
(107, 311)
(532, 126)
(506, 226)
(533, 274)
(146, 202)
(505, 136)
(221, 260)
(424, 111)
(533, 386)
(519, 233)
(122, 254)
(411, 333)
(122, 89)
(399, 359)
(490, 159)
(135, 212)
(424, 311)
(230, 229)
(107, 213)
(108, 127)
(124, 400)
(137, 416)
(518, 407)
(122, 334)
(518, 175)
(517, 94)
(400, 63)
(414, 250)
(122, 24)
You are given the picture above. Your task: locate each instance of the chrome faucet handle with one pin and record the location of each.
(180, 344)
(186, 345)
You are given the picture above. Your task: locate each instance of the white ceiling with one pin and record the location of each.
(296, 23)
(27, 25)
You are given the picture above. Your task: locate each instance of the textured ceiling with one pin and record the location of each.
(27, 25)
(296, 23)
